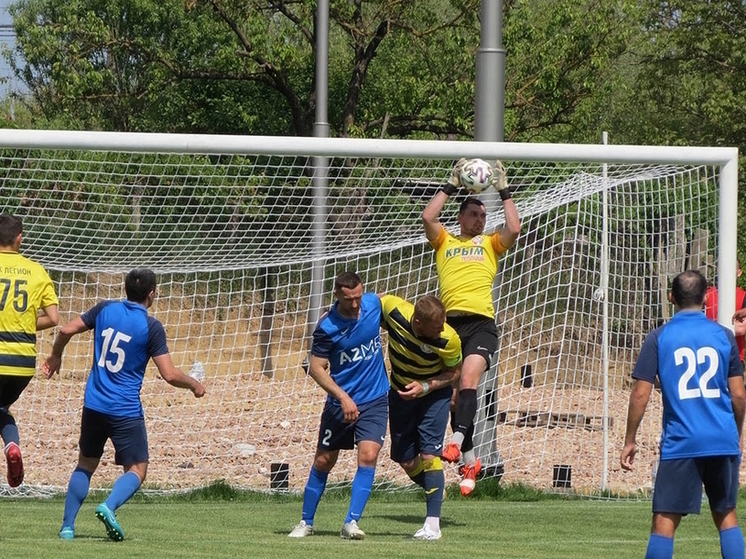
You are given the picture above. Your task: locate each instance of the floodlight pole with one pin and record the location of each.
(320, 167)
(489, 124)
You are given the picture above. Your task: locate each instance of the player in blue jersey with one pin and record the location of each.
(347, 362)
(25, 289)
(125, 338)
(701, 378)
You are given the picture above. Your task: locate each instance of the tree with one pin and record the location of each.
(397, 68)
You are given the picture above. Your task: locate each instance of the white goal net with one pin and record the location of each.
(246, 236)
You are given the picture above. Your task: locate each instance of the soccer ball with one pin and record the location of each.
(476, 175)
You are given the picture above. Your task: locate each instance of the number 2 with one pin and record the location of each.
(685, 354)
(327, 437)
(112, 346)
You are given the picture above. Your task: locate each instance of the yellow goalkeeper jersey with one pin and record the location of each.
(25, 287)
(466, 270)
(412, 358)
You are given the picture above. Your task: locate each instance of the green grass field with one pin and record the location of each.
(224, 523)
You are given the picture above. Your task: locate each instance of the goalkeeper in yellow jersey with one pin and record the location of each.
(467, 264)
(28, 303)
(425, 356)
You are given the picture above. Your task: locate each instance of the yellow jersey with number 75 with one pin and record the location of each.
(25, 287)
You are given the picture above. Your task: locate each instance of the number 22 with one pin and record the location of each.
(703, 354)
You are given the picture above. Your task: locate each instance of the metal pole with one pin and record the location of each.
(320, 167)
(489, 123)
(489, 106)
(605, 318)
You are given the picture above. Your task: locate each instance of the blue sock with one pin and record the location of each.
(312, 494)
(659, 547)
(362, 485)
(8, 428)
(123, 489)
(77, 491)
(731, 543)
(435, 481)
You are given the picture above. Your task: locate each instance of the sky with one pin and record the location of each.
(7, 38)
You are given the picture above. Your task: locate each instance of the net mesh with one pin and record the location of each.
(233, 241)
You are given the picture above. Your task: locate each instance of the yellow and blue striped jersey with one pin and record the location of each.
(25, 287)
(413, 358)
(466, 270)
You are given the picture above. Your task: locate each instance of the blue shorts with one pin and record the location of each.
(678, 484)
(418, 426)
(336, 434)
(127, 434)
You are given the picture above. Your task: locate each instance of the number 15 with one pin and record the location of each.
(112, 346)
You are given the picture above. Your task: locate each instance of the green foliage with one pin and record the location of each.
(401, 69)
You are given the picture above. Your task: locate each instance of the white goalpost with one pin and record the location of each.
(246, 235)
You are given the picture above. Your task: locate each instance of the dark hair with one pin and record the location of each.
(688, 289)
(10, 227)
(138, 284)
(348, 280)
(429, 308)
(468, 202)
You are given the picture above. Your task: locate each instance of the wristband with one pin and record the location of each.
(449, 189)
(504, 194)
(425, 388)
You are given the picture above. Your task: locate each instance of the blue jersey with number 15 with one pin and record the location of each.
(693, 358)
(125, 338)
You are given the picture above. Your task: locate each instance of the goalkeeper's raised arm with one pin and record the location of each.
(512, 228)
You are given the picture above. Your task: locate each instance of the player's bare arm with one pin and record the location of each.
(638, 402)
(48, 318)
(176, 377)
(415, 389)
(739, 316)
(52, 363)
(430, 215)
(317, 369)
(509, 233)
(739, 327)
(437, 203)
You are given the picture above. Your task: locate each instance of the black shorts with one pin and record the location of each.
(11, 387)
(478, 335)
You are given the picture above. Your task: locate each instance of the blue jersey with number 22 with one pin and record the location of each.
(693, 358)
(125, 338)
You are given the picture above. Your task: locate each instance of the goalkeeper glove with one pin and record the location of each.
(454, 181)
(500, 180)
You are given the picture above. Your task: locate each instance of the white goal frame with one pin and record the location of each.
(724, 158)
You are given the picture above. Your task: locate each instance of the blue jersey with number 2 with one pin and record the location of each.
(693, 358)
(125, 338)
(353, 347)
